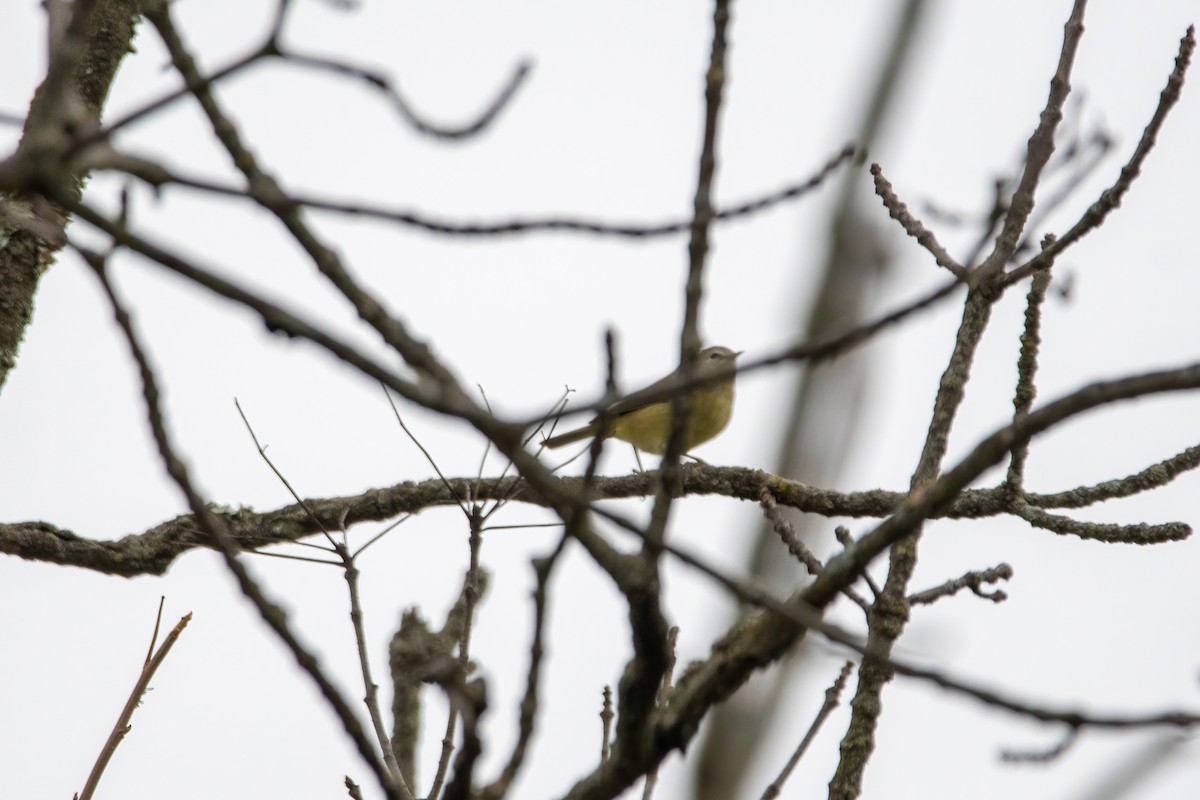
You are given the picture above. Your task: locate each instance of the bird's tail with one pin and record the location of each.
(577, 435)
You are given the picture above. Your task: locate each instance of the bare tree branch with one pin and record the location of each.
(972, 580)
(153, 662)
(832, 696)
(1110, 199)
(271, 613)
(159, 176)
(80, 71)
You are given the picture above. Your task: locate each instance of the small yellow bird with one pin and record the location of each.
(644, 418)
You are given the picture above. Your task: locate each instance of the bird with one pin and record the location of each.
(644, 418)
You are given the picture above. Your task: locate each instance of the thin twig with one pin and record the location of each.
(1042, 756)
(1038, 150)
(543, 567)
(845, 539)
(403, 108)
(158, 175)
(471, 698)
(971, 580)
(123, 727)
(501, 501)
(1110, 198)
(606, 720)
(162, 599)
(487, 447)
(1048, 205)
(271, 613)
(898, 211)
(1001, 194)
(1138, 533)
(370, 689)
(470, 598)
(106, 133)
(1027, 364)
(293, 557)
(554, 416)
(381, 534)
(428, 457)
(663, 691)
(832, 697)
(791, 540)
(443, 765)
(605, 419)
(351, 573)
(262, 452)
(1152, 477)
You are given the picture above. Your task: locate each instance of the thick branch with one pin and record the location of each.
(151, 552)
(70, 99)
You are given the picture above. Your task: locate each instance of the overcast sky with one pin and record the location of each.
(607, 126)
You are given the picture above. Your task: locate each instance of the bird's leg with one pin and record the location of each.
(637, 457)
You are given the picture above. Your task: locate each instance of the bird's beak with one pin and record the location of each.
(738, 353)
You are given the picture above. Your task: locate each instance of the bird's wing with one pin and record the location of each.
(645, 396)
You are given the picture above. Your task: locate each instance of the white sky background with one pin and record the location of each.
(607, 126)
